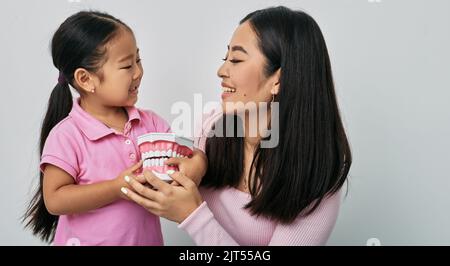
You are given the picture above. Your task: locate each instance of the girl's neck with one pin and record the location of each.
(101, 111)
(113, 117)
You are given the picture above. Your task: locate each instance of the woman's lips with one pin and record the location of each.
(227, 90)
(226, 95)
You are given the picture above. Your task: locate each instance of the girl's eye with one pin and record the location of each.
(138, 61)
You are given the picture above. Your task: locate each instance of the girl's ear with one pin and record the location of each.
(84, 79)
(275, 88)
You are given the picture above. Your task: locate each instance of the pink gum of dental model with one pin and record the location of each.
(156, 148)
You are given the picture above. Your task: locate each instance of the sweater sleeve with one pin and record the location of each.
(313, 229)
(205, 230)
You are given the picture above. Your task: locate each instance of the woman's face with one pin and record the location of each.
(242, 72)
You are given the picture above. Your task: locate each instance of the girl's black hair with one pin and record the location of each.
(78, 43)
(313, 157)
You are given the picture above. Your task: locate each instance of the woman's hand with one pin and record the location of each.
(174, 203)
(193, 167)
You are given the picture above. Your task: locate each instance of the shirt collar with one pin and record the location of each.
(92, 128)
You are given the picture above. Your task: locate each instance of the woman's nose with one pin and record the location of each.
(222, 72)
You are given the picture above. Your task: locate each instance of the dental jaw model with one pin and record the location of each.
(156, 148)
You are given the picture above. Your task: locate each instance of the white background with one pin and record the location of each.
(391, 67)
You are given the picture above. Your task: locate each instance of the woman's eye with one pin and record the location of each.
(138, 61)
(234, 61)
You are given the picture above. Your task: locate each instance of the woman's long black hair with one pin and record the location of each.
(313, 157)
(78, 43)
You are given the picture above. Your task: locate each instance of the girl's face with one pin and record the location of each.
(121, 73)
(242, 73)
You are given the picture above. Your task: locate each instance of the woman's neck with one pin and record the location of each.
(252, 136)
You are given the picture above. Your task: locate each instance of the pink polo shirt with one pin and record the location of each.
(91, 152)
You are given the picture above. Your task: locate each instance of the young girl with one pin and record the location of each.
(88, 146)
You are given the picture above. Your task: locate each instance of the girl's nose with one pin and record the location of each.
(139, 72)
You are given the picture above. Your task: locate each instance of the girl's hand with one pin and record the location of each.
(120, 180)
(194, 167)
(175, 203)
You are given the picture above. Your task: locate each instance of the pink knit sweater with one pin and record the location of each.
(222, 220)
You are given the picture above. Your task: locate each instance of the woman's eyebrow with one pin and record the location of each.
(237, 48)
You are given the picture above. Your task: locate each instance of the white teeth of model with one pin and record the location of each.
(169, 153)
(151, 154)
(163, 153)
(228, 89)
(157, 154)
(174, 154)
(144, 164)
(161, 162)
(152, 162)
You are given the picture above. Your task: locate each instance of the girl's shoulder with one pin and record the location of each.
(65, 127)
(66, 133)
(149, 117)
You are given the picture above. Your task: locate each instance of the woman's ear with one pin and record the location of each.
(84, 80)
(275, 89)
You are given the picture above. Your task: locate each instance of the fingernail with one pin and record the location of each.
(170, 172)
(124, 190)
(127, 179)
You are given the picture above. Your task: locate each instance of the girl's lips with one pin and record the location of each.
(133, 91)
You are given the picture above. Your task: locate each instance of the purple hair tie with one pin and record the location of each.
(61, 79)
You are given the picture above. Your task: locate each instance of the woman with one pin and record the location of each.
(250, 195)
